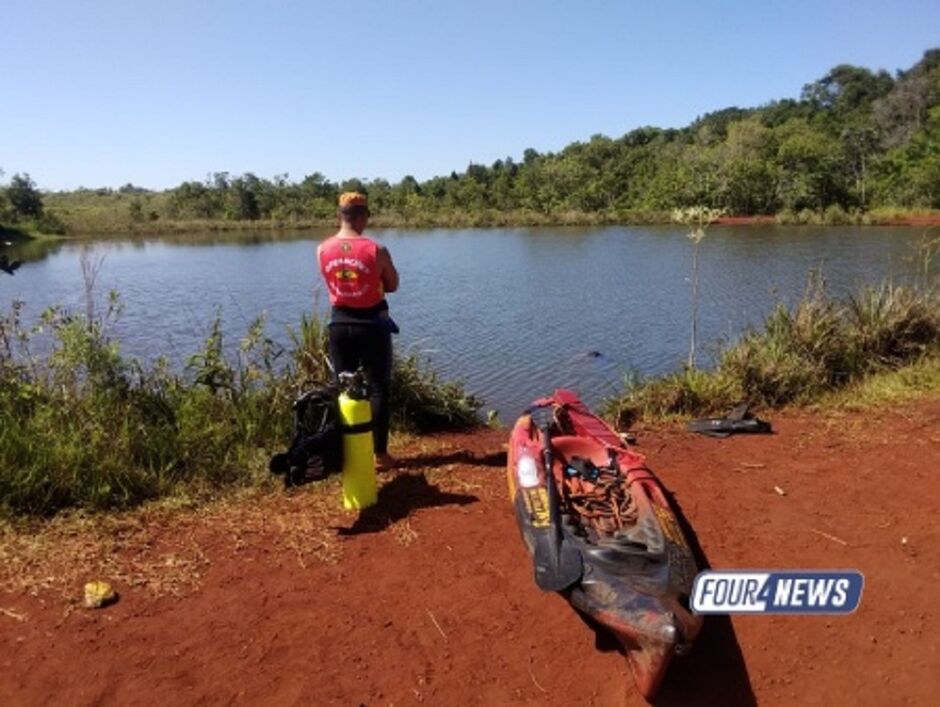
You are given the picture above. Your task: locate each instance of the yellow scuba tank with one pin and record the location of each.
(359, 485)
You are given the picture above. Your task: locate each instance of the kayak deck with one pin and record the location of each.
(638, 568)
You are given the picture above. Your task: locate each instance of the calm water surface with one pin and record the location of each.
(512, 312)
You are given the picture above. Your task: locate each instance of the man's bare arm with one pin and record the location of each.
(387, 270)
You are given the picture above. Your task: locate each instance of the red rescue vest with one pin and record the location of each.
(350, 269)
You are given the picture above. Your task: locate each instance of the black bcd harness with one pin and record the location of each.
(316, 450)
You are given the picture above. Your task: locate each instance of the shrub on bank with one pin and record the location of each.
(832, 215)
(84, 426)
(800, 354)
(422, 402)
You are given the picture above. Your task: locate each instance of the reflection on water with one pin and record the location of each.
(514, 312)
(30, 251)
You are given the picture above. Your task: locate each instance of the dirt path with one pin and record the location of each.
(430, 599)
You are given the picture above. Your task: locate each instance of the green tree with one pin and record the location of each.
(859, 148)
(746, 170)
(4, 204)
(24, 198)
(904, 110)
(847, 88)
(356, 185)
(242, 202)
(809, 167)
(195, 200)
(136, 211)
(910, 175)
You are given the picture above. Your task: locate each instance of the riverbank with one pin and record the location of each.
(83, 426)
(16, 236)
(112, 214)
(88, 427)
(883, 217)
(269, 598)
(806, 352)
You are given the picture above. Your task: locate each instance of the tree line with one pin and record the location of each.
(855, 140)
(21, 206)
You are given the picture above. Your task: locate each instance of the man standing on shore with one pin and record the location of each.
(359, 273)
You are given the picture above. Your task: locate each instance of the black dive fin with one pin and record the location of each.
(724, 426)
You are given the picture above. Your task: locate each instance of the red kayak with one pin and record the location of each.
(602, 533)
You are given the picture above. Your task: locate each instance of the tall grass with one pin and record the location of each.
(81, 425)
(422, 402)
(799, 354)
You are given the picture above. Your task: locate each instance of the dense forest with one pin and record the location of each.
(855, 140)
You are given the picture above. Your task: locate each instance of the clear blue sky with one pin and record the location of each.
(114, 91)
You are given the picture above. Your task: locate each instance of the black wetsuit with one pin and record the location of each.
(363, 337)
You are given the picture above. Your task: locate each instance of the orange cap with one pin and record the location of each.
(352, 198)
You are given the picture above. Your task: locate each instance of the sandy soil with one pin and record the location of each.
(429, 597)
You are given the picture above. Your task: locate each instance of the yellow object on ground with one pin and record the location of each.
(99, 594)
(359, 485)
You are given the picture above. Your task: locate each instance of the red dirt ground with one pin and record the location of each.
(433, 600)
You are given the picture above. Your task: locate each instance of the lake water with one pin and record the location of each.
(513, 312)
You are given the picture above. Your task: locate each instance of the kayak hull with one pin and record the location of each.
(636, 580)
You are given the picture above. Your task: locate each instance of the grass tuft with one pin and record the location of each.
(803, 354)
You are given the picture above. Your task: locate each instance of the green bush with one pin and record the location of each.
(835, 215)
(421, 402)
(83, 426)
(799, 354)
(685, 392)
(893, 325)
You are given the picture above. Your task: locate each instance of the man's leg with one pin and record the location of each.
(345, 349)
(378, 363)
